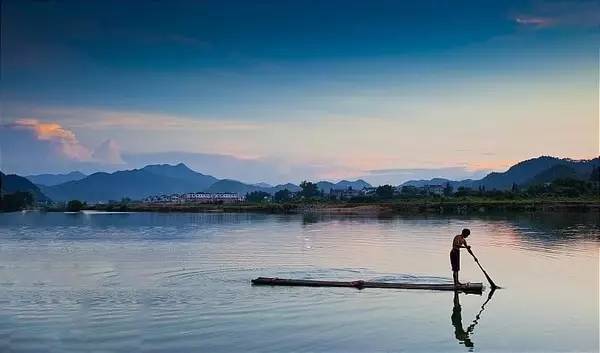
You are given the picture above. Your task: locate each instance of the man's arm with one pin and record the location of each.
(464, 244)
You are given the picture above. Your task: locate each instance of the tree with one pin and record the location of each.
(282, 195)
(309, 189)
(448, 189)
(257, 196)
(75, 206)
(466, 191)
(595, 176)
(569, 187)
(409, 190)
(16, 201)
(385, 192)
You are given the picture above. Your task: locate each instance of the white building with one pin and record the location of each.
(196, 197)
(434, 189)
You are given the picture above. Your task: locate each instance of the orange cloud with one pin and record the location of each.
(65, 139)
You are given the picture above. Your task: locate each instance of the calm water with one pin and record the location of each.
(180, 283)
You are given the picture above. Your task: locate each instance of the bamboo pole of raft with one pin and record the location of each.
(467, 288)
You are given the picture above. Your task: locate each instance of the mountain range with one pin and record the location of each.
(537, 170)
(160, 179)
(168, 179)
(12, 183)
(55, 179)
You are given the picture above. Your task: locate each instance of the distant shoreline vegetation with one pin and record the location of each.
(559, 195)
(541, 182)
(472, 205)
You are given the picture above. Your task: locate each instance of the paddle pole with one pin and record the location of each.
(492, 284)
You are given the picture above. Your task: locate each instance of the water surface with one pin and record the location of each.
(150, 282)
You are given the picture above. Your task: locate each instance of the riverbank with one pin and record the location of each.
(392, 207)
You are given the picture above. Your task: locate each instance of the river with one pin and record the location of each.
(180, 282)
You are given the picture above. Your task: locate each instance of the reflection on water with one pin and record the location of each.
(154, 282)
(462, 335)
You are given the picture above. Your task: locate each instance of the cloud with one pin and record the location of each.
(58, 137)
(534, 21)
(29, 146)
(108, 152)
(584, 14)
(99, 119)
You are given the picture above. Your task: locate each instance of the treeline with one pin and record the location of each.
(16, 201)
(559, 188)
(23, 200)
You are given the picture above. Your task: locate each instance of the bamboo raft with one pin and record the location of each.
(476, 288)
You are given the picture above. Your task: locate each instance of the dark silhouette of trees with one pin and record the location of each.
(282, 196)
(385, 192)
(16, 201)
(448, 189)
(309, 189)
(75, 206)
(595, 176)
(258, 196)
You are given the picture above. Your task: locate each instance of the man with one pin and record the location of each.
(458, 242)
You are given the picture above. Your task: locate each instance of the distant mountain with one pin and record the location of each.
(289, 186)
(55, 179)
(326, 186)
(168, 179)
(135, 184)
(423, 182)
(181, 171)
(150, 180)
(533, 170)
(356, 185)
(524, 172)
(556, 172)
(12, 183)
(228, 185)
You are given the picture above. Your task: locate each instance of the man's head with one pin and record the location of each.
(465, 232)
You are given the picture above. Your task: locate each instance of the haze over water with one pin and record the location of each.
(149, 282)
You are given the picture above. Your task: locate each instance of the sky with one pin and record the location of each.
(283, 91)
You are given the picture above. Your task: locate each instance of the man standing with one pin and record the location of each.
(458, 242)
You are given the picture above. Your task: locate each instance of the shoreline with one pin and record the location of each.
(395, 207)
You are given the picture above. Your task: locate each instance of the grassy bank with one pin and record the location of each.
(468, 205)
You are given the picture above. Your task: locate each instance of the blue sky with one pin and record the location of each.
(290, 90)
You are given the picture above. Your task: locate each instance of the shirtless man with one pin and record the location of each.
(458, 242)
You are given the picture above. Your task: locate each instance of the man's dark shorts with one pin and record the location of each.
(455, 259)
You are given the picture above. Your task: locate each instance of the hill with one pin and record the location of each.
(182, 172)
(55, 179)
(289, 186)
(523, 173)
(556, 172)
(423, 182)
(135, 184)
(326, 186)
(12, 183)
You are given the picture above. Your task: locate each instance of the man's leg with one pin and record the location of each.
(455, 277)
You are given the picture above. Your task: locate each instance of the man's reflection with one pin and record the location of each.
(462, 335)
(459, 332)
